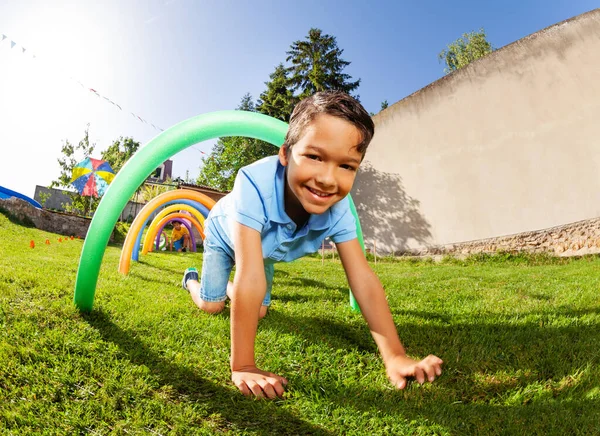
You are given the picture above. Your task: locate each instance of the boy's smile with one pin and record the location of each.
(321, 166)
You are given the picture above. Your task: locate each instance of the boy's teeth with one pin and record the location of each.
(318, 193)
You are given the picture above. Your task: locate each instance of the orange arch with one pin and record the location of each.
(154, 230)
(140, 219)
(166, 211)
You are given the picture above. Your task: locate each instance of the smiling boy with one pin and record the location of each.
(282, 208)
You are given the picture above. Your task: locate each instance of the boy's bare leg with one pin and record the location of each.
(207, 306)
(193, 286)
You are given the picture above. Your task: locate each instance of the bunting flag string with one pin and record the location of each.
(13, 44)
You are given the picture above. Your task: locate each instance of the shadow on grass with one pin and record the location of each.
(263, 417)
(340, 292)
(536, 376)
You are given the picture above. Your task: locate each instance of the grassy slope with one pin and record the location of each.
(519, 337)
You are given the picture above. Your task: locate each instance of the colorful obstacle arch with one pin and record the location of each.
(140, 166)
(180, 199)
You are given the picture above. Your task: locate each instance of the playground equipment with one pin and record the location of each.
(179, 197)
(199, 206)
(140, 166)
(8, 193)
(163, 240)
(151, 234)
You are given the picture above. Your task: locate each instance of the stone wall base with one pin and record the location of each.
(575, 239)
(56, 222)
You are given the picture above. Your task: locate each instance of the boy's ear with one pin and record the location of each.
(283, 155)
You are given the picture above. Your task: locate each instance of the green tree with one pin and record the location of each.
(384, 104)
(119, 152)
(148, 191)
(278, 99)
(232, 153)
(466, 49)
(71, 156)
(316, 65)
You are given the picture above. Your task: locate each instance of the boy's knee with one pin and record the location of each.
(211, 307)
(263, 312)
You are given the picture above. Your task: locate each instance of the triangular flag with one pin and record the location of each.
(3, 37)
(12, 44)
(23, 48)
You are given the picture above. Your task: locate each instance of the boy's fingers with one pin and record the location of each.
(430, 370)
(435, 359)
(267, 388)
(401, 383)
(277, 385)
(243, 388)
(282, 380)
(419, 375)
(438, 370)
(255, 388)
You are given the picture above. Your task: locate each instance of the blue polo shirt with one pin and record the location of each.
(257, 201)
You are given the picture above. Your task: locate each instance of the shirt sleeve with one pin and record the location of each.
(248, 204)
(345, 228)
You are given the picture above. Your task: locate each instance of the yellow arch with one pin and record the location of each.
(166, 211)
(140, 219)
(154, 230)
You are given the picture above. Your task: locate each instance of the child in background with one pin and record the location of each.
(180, 237)
(282, 208)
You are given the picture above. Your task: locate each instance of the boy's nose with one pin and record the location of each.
(326, 177)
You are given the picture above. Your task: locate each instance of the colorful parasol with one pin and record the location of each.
(91, 177)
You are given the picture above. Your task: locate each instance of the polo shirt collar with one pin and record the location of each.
(278, 215)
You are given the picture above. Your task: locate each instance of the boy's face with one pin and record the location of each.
(176, 226)
(321, 166)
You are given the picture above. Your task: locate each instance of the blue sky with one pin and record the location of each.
(169, 60)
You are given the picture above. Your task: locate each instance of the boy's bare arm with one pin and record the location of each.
(249, 287)
(370, 295)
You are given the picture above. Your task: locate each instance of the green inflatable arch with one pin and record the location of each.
(147, 159)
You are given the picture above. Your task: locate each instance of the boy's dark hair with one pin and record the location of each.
(175, 222)
(334, 103)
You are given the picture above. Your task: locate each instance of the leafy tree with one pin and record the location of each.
(466, 49)
(148, 191)
(384, 104)
(116, 155)
(278, 100)
(119, 152)
(71, 156)
(317, 65)
(247, 103)
(232, 153)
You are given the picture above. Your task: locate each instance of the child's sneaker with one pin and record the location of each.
(189, 274)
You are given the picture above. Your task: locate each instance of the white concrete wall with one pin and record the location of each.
(508, 144)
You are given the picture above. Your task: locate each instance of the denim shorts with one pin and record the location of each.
(216, 269)
(178, 244)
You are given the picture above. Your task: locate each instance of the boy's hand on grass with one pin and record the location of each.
(400, 368)
(253, 381)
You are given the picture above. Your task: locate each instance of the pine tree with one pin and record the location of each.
(317, 65)
(278, 100)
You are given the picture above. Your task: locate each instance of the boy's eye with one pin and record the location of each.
(348, 167)
(313, 156)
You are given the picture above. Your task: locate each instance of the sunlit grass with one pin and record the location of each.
(519, 335)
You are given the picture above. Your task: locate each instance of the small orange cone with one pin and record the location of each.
(59, 239)
(72, 237)
(47, 241)
(32, 244)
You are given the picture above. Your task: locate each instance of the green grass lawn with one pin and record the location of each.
(520, 337)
